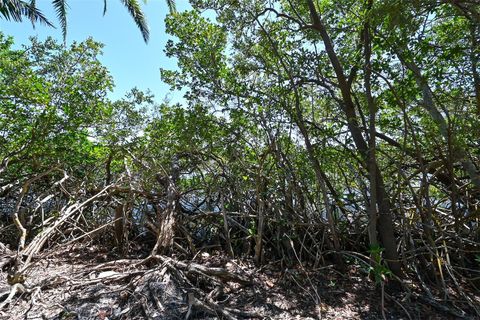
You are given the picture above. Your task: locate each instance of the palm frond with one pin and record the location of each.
(104, 7)
(12, 9)
(60, 7)
(136, 12)
(35, 15)
(17, 9)
(172, 6)
(33, 4)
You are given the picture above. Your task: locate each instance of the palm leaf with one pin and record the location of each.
(17, 9)
(136, 12)
(12, 9)
(172, 6)
(60, 7)
(104, 7)
(33, 4)
(36, 15)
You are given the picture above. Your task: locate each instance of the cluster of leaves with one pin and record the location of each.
(54, 113)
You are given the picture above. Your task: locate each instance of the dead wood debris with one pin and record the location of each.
(158, 287)
(63, 284)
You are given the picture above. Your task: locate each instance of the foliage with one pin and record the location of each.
(303, 125)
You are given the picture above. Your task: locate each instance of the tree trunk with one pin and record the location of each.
(385, 221)
(119, 225)
(319, 174)
(261, 217)
(474, 58)
(438, 118)
(225, 226)
(372, 226)
(166, 230)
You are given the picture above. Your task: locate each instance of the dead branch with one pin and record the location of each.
(16, 220)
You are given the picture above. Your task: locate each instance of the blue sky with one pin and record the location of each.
(131, 62)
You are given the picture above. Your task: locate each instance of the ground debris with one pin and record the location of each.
(76, 286)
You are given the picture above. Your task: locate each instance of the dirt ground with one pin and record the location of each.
(94, 283)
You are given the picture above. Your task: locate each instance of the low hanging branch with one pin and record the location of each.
(17, 277)
(15, 216)
(37, 243)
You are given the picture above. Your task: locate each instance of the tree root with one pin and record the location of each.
(16, 288)
(220, 273)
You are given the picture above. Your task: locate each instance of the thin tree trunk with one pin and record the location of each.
(474, 57)
(311, 155)
(119, 224)
(323, 188)
(225, 226)
(385, 222)
(372, 226)
(108, 171)
(438, 118)
(261, 217)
